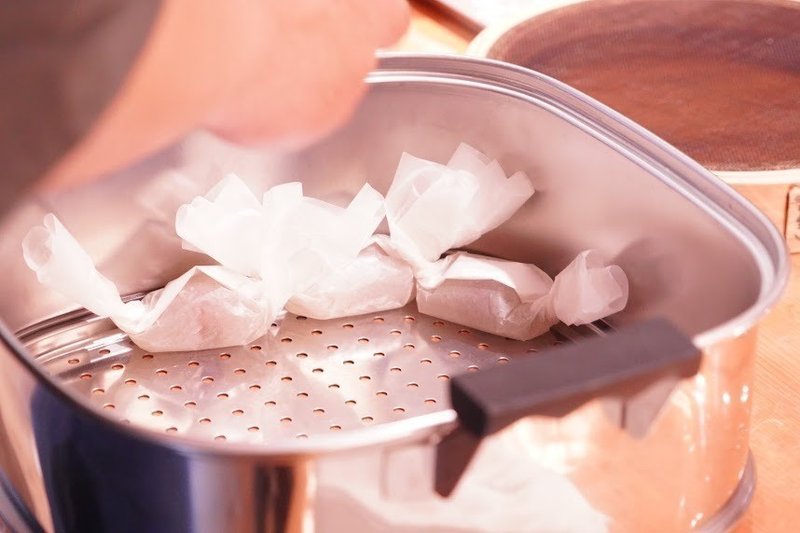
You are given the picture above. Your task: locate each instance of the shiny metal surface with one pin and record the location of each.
(308, 377)
(694, 251)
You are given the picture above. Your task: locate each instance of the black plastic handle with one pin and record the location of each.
(623, 364)
(558, 381)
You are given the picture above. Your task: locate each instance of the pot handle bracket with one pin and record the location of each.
(636, 368)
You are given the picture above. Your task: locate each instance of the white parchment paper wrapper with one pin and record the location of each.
(286, 239)
(208, 306)
(268, 250)
(376, 280)
(432, 208)
(518, 300)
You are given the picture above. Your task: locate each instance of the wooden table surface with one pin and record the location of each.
(775, 430)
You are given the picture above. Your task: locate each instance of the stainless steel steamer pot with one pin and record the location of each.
(348, 426)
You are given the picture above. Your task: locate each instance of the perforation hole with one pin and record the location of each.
(483, 346)
(532, 350)
(348, 362)
(237, 412)
(408, 346)
(157, 412)
(73, 361)
(381, 394)
(286, 340)
(302, 395)
(317, 371)
(364, 378)
(143, 397)
(464, 332)
(254, 429)
(104, 351)
(301, 355)
(255, 348)
(438, 323)
(207, 380)
(224, 356)
(161, 372)
(455, 353)
(425, 362)
(367, 419)
(319, 411)
(398, 410)
(335, 428)
(409, 318)
(223, 396)
(176, 388)
(148, 356)
(286, 379)
(301, 436)
(379, 354)
(220, 438)
(109, 406)
(117, 367)
(286, 420)
(333, 386)
(271, 363)
(347, 326)
(86, 376)
(270, 403)
(301, 317)
(395, 332)
(332, 347)
(502, 360)
(473, 368)
(316, 332)
(190, 405)
(363, 340)
(442, 377)
(378, 320)
(396, 369)
(350, 402)
(97, 391)
(412, 385)
(240, 371)
(436, 338)
(205, 421)
(254, 388)
(171, 430)
(430, 401)
(130, 382)
(193, 364)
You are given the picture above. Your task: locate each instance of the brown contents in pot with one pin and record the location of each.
(719, 79)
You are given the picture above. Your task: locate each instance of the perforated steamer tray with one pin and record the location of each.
(305, 378)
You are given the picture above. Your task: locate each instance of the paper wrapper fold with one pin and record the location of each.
(432, 208)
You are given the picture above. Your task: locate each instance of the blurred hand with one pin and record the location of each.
(252, 71)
